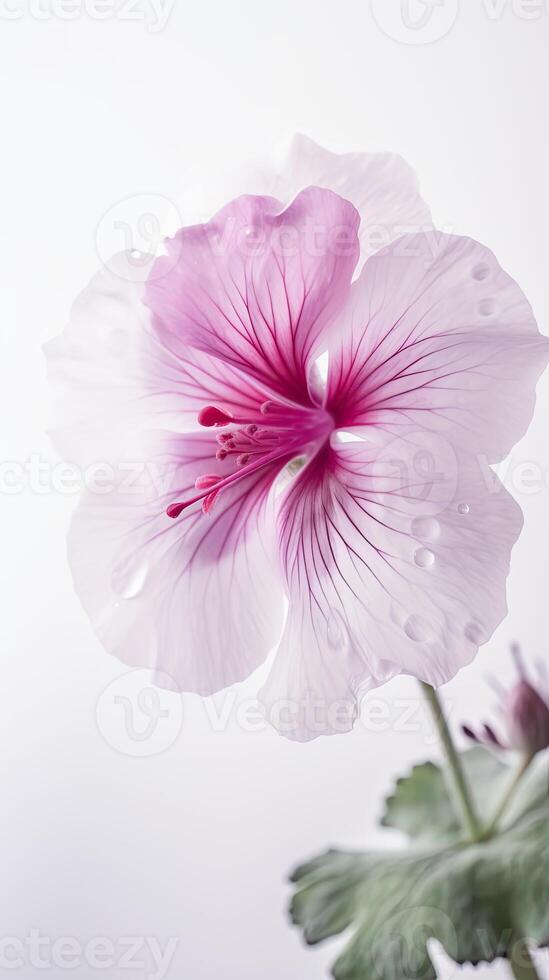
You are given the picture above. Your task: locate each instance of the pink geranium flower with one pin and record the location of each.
(364, 496)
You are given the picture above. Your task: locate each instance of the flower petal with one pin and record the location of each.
(257, 286)
(198, 598)
(388, 570)
(382, 186)
(444, 340)
(115, 373)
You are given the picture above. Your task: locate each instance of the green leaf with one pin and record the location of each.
(422, 803)
(473, 898)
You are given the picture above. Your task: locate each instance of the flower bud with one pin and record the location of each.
(527, 719)
(524, 716)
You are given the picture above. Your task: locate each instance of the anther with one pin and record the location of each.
(210, 415)
(209, 501)
(255, 442)
(174, 510)
(207, 480)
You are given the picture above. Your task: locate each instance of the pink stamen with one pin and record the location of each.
(207, 480)
(209, 501)
(174, 510)
(210, 415)
(277, 408)
(258, 443)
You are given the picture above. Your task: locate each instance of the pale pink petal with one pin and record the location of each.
(444, 340)
(197, 598)
(390, 567)
(115, 373)
(382, 186)
(258, 286)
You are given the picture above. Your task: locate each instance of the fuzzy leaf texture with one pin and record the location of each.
(476, 899)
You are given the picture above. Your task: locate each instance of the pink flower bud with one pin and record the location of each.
(528, 719)
(524, 714)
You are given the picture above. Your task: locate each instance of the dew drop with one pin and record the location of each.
(129, 576)
(480, 271)
(425, 528)
(424, 558)
(463, 508)
(416, 629)
(487, 307)
(474, 633)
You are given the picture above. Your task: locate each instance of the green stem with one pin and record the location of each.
(461, 786)
(507, 797)
(521, 962)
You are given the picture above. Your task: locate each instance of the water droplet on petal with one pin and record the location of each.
(425, 528)
(424, 558)
(416, 629)
(463, 508)
(474, 633)
(129, 576)
(487, 307)
(481, 271)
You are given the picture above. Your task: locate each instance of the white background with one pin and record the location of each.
(195, 841)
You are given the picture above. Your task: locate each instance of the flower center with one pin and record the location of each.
(276, 434)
